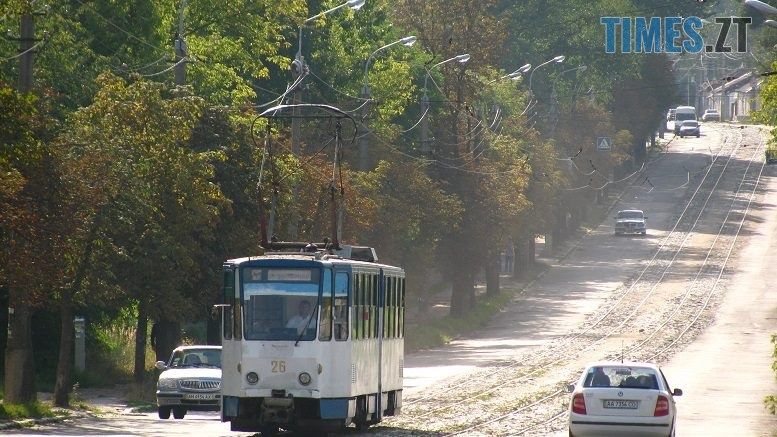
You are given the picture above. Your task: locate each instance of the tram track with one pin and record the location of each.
(562, 343)
(669, 340)
(639, 290)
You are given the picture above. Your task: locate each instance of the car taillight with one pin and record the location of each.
(662, 406)
(578, 404)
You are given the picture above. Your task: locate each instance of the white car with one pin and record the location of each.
(619, 399)
(191, 380)
(711, 115)
(630, 221)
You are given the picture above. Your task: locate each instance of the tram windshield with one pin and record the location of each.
(280, 303)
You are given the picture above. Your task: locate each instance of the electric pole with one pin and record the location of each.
(180, 49)
(19, 377)
(364, 142)
(425, 149)
(26, 40)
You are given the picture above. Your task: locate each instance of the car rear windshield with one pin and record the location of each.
(630, 215)
(621, 377)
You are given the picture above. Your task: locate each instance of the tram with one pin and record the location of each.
(312, 338)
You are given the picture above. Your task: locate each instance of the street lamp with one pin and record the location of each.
(515, 75)
(353, 4)
(407, 41)
(558, 59)
(761, 6)
(461, 59)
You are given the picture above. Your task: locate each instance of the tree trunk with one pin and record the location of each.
(461, 294)
(65, 362)
(140, 343)
(492, 275)
(168, 337)
(213, 328)
(19, 363)
(531, 252)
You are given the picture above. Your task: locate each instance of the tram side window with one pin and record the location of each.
(326, 308)
(389, 309)
(229, 299)
(402, 304)
(372, 331)
(365, 311)
(357, 306)
(394, 311)
(386, 286)
(340, 314)
(237, 313)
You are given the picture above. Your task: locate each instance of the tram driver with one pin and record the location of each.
(300, 320)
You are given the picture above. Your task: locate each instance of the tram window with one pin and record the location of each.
(373, 302)
(402, 305)
(237, 312)
(386, 311)
(229, 299)
(364, 315)
(394, 312)
(370, 303)
(326, 308)
(340, 316)
(357, 307)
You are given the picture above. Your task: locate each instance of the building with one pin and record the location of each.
(736, 98)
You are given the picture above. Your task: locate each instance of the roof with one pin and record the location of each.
(311, 257)
(737, 84)
(631, 210)
(622, 364)
(197, 346)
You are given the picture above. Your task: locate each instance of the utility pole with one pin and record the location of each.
(19, 377)
(26, 40)
(180, 49)
(364, 142)
(425, 149)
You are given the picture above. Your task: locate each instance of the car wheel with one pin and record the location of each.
(698, 136)
(179, 412)
(164, 412)
(268, 431)
(644, 233)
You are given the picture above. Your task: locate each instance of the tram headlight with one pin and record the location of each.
(252, 378)
(304, 378)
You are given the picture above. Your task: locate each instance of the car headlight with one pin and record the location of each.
(304, 378)
(167, 383)
(252, 378)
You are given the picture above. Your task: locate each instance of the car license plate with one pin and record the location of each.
(202, 396)
(617, 403)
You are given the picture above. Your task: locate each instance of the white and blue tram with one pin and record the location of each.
(342, 364)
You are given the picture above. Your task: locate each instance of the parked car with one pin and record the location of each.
(711, 115)
(613, 398)
(191, 380)
(689, 128)
(630, 221)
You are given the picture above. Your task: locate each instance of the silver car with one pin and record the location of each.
(191, 380)
(690, 128)
(630, 221)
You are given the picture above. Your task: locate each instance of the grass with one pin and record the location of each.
(142, 406)
(26, 411)
(441, 331)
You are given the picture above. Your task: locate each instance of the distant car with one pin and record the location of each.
(690, 128)
(670, 114)
(711, 115)
(630, 221)
(191, 380)
(683, 113)
(617, 399)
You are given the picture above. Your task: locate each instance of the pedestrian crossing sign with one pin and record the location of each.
(604, 144)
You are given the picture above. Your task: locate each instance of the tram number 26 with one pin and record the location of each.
(278, 366)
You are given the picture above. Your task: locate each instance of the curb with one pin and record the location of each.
(26, 423)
